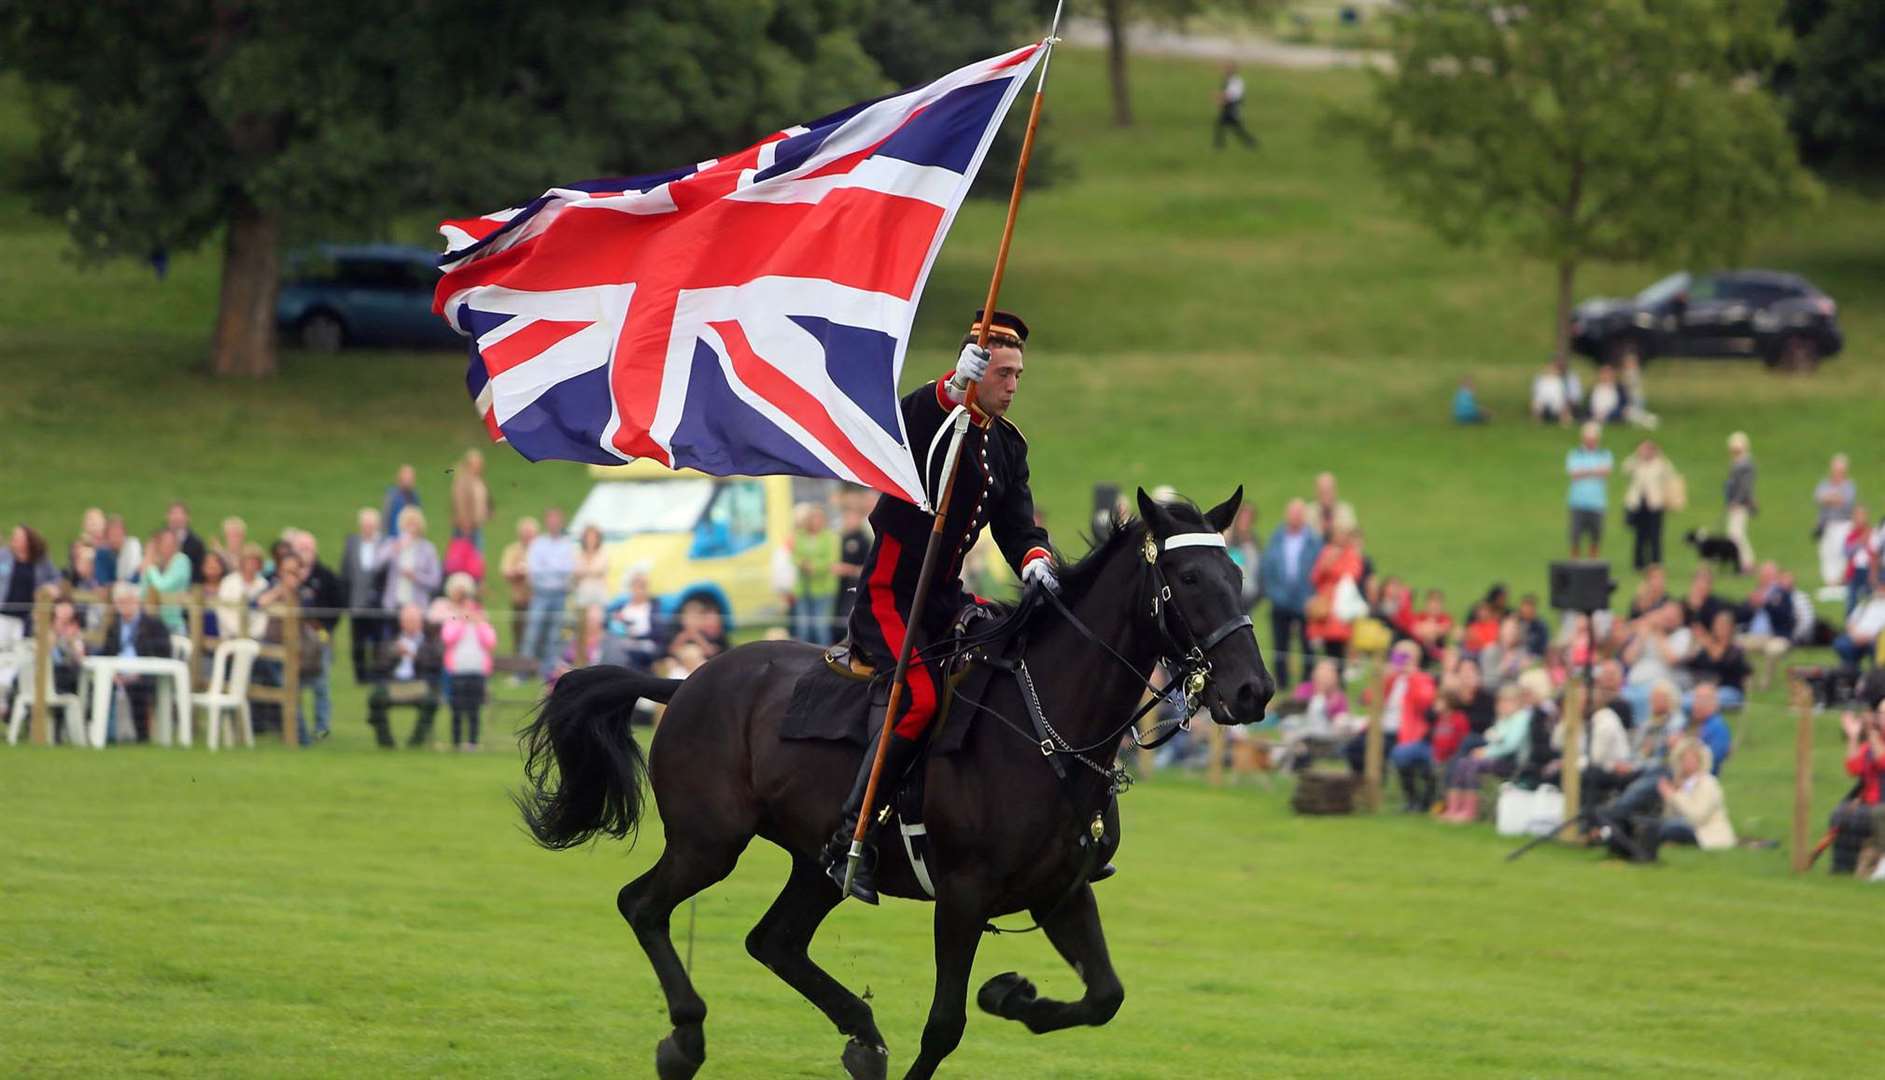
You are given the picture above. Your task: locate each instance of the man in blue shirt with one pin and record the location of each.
(1588, 465)
(1705, 713)
(1284, 570)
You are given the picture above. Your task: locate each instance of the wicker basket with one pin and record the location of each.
(1324, 793)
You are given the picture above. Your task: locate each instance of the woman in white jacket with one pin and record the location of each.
(1694, 811)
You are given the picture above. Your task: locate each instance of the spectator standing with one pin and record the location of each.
(177, 521)
(412, 565)
(815, 556)
(405, 671)
(167, 570)
(1653, 489)
(1409, 701)
(514, 565)
(81, 568)
(363, 580)
(126, 552)
(1588, 465)
(854, 544)
(551, 561)
(1835, 498)
(92, 527)
(1330, 513)
(1556, 394)
(24, 568)
(1337, 572)
(469, 644)
(471, 499)
(589, 583)
(1738, 494)
(1230, 111)
(322, 600)
(1861, 556)
(1240, 540)
(1537, 631)
(404, 492)
(1285, 573)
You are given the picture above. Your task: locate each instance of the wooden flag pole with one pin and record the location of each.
(934, 549)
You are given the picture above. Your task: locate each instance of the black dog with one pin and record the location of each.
(1716, 549)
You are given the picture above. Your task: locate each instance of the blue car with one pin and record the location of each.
(370, 294)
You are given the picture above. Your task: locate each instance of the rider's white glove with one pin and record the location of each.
(970, 367)
(1041, 572)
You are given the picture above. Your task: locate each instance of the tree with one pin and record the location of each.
(1834, 84)
(167, 122)
(1585, 129)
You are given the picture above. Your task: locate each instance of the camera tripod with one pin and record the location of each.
(1588, 820)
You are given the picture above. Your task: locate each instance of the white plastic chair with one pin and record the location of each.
(180, 646)
(228, 696)
(56, 703)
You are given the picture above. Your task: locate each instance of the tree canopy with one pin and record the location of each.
(1586, 129)
(1834, 84)
(169, 123)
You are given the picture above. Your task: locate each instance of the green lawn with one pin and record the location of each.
(1202, 320)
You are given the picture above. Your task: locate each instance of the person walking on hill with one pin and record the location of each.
(1230, 110)
(471, 499)
(1653, 489)
(1285, 568)
(1588, 465)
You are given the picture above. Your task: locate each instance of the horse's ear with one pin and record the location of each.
(1151, 513)
(1221, 515)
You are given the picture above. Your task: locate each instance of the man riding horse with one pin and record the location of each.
(992, 490)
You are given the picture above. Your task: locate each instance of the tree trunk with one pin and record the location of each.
(1116, 61)
(1561, 343)
(245, 317)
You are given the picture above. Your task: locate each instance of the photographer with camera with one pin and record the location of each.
(1859, 820)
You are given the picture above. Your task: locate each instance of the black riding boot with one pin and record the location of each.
(897, 760)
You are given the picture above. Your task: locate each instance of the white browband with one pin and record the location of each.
(1199, 539)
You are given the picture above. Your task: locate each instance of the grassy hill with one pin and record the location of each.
(1203, 320)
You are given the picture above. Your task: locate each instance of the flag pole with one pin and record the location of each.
(934, 549)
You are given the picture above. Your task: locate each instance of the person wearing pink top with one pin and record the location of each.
(469, 642)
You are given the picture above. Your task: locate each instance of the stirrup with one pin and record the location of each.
(864, 882)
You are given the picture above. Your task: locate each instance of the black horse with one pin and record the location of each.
(1006, 833)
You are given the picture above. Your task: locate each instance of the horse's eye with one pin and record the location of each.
(1188, 578)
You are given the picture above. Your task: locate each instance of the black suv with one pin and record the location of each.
(1780, 318)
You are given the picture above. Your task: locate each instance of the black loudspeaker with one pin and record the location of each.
(1105, 500)
(1581, 585)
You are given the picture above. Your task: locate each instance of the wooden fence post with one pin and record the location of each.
(1214, 738)
(290, 672)
(1802, 697)
(1373, 742)
(42, 665)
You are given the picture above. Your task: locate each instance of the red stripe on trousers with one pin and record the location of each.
(883, 600)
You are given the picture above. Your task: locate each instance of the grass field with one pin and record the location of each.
(1201, 320)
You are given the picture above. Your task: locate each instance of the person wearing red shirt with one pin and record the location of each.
(1433, 625)
(1865, 759)
(1410, 698)
(1341, 559)
(1482, 629)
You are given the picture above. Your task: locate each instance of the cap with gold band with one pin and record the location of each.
(1003, 324)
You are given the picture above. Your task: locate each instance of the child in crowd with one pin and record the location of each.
(469, 641)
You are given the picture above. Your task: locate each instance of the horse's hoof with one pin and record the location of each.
(1005, 995)
(863, 1062)
(674, 1063)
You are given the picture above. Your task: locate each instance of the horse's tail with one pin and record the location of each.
(583, 771)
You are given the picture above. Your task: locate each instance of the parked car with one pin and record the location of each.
(1781, 318)
(372, 294)
(713, 538)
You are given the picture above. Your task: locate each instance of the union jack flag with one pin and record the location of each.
(743, 316)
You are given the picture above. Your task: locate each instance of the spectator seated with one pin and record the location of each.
(406, 672)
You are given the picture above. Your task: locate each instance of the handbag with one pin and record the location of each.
(1348, 604)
